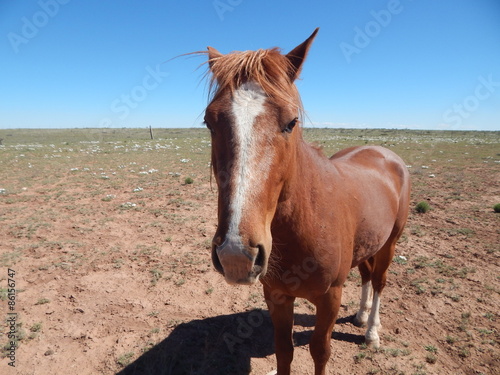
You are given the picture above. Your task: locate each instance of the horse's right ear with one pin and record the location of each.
(213, 55)
(298, 55)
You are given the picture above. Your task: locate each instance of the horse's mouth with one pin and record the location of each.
(240, 267)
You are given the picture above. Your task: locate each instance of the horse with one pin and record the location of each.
(288, 216)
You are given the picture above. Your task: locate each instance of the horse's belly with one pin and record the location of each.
(367, 244)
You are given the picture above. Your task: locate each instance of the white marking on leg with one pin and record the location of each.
(371, 336)
(247, 103)
(365, 304)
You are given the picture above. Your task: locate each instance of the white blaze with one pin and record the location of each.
(247, 103)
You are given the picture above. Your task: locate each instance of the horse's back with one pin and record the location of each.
(372, 162)
(367, 156)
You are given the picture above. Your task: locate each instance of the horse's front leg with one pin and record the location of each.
(327, 308)
(281, 310)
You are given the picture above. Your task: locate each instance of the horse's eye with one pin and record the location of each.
(290, 126)
(209, 127)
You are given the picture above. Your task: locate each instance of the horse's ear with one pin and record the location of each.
(298, 55)
(213, 54)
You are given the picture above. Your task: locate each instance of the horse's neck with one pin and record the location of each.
(305, 183)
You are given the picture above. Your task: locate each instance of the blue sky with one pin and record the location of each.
(417, 64)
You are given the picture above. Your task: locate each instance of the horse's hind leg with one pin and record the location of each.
(381, 263)
(365, 305)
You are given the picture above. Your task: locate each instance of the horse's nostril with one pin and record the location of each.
(261, 257)
(216, 261)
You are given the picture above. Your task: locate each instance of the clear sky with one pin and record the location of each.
(418, 64)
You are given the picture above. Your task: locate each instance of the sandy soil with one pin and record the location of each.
(105, 287)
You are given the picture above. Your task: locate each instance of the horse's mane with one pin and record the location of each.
(266, 67)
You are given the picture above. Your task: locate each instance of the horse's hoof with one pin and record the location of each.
(358, 322)
(372, 339)
(373, 343)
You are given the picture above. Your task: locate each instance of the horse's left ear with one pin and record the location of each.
(298, 55)
(213, 54)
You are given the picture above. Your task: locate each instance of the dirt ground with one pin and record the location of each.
(107, 246)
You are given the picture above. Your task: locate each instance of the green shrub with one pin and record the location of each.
(423, 207)
(188, 181)
(496, 208)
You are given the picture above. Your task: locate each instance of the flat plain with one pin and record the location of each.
(109, 235)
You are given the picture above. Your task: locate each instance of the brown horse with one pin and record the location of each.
(287, 215)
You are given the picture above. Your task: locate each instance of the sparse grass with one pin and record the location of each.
(156, 275)
(484, 332)
(431, 349)
(420, 369)
(441, 267)
(422, 207)
(451, 340)
(395, 352)
(417, 230)
(464, 322)
(467, 232)
(431, 358)
(42, 301)
(125, 359)
(108, 198)
(180, 282)
(37, 327)
(10, 258)
(147, 347)
(418, 285)
(464, 352)
(399, 259)
(3, 294)
(490, 316)
(359, 357)
(7, 348)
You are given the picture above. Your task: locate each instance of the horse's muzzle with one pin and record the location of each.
(238, 263)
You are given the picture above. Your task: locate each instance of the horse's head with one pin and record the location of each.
(252, 119)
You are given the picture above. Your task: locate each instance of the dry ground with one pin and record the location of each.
(111, 252)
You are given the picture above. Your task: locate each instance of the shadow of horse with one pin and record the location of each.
(219, 345)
